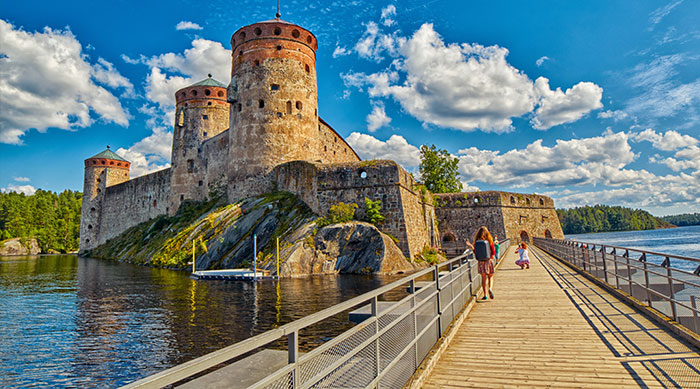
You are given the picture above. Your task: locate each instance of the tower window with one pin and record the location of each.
(92, 209)
(220, 94)
(201, 182)
(242, 34)
(279, 114)
(240, 107)
(279, 47)
(194, 93)
(299, 105)
(261, 104)
(209, 103)
(541, 202)
(308, 39)
(257, 31)
(306, 67)
(182, 197)
(190, 165)
(289, 107)
(99, 180)
(207, 92)
(278, 31)
(257, 63)
(295, 33)
(205, 117)
(274, 87)
(154, 203)
(89, 226)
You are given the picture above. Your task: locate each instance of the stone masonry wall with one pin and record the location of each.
(332, 147)
(505, 214)
(130, 203)
(407, 217)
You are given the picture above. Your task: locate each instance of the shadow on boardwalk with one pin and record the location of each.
(550, 327)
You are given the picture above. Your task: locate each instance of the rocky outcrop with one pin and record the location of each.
(14, 246)
(353, 247)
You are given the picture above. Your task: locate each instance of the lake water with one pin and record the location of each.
(683, 241)
(70, 321)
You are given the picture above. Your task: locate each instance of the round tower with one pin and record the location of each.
(202, 113)
(274, 98)
(102, 170)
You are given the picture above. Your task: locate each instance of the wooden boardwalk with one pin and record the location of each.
(550, 327)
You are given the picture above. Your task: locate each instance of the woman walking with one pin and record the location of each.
(484, 251)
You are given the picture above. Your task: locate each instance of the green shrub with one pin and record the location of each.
(338, 213)
(373, 211)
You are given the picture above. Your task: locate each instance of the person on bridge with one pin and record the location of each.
(485, 258)
(524, 258)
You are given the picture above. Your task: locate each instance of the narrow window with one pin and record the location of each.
(194, 93)
(299, 105)
(308, 39)
(205, 117)
(295, 33)
(201, 182)
(154, 203)
(278, 31)
(274, 87)
(92, 209)
(89, 226)
(182, 197)
(261, 104)
(541, 202)
(190, 165)
(256, 62)
(209, 103)
(306, 67)
(289, 107)
(207, 92)
(240, 107)
(220, 94)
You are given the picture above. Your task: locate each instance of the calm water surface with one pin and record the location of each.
(70, 321)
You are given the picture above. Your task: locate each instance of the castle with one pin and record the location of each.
(262, 132)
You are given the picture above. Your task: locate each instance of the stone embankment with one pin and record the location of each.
(222, 237)
(15, 246)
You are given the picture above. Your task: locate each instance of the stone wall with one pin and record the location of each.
(505, 214)
(332, 147)
(407, 217)
(130, 203)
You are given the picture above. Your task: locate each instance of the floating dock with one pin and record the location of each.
(232, 274)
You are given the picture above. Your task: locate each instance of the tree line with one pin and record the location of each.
(52, 218)
(601, 218)
(685, 219)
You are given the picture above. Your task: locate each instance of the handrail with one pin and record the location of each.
(444, 297)
(616, 270)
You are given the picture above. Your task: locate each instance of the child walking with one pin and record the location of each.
(524, 261)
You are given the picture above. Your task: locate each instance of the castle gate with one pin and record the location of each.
(524, 236)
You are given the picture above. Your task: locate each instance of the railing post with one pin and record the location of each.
(293, 355)
(643, 258)
(375, 312)
(667, 262)
(436, 275)
(471, 284)
(695, 313)
(605, 268)
(629, 276)
(412, 288)
(617, 277)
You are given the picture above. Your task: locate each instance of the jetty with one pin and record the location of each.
(583, 315)
(232, 274)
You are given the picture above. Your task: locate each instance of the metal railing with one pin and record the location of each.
(647, 276)
(381, 351)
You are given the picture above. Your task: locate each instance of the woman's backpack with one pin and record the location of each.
(482, 250)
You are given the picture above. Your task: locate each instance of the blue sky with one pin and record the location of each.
(587, 102)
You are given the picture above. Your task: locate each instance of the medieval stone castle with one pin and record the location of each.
(262, 132)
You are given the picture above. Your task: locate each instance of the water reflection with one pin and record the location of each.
(72, 321)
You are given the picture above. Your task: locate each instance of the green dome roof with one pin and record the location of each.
(109, 154)
(209, 82)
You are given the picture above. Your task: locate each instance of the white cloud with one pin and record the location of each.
(183, 25)
(556, 107)
(658, 14)
(388, 13)
(541, 60)
(395, 148)
(463, 86)
(668, 141)
(26, 189)
(615, 115)
(340, 52)
(149, 154)
(377, 118)
(172, 71)
(46, 81)
(21, 179)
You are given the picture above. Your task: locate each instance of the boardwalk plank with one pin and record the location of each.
(550, 327)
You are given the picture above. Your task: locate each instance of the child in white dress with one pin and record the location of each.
(524, 261)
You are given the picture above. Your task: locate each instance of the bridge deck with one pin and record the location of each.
(549, 326)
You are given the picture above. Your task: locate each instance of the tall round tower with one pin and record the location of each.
(274, 98)
(202, 113)
(102, 170)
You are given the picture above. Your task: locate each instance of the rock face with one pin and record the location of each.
(14, 247)
(353, 247)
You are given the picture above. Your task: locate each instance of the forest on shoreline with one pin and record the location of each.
(53, 219)
(604, 218)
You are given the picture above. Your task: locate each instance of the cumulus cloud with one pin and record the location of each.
(615, 115)
(149, 154)
(463, 86)
(21, 179)
(341, 51)
(668, 141)
(46, 81)
(172, 71)
(26, 189)
(388, 14)
(556, 107)
(395, 148)
(184, 25)
(377, 118)
(541, 60)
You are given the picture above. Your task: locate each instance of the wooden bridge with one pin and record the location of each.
(554, 325)
(549, 326)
